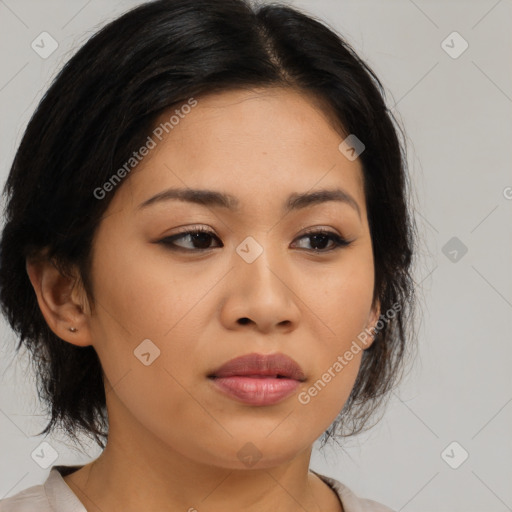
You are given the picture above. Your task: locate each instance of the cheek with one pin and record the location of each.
(343, 306)
(142, 291)
(142, 296)
(343, 300)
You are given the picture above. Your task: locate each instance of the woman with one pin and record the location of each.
(207, 250)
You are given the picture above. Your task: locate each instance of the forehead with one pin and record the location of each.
(254, 143)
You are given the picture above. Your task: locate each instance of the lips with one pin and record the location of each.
(257, 379)
(260, 366)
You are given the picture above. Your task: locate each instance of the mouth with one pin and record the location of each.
(258, 379)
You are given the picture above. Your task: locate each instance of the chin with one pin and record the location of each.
(259, 453)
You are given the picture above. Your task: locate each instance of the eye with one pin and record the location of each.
(319, 239)
(199, 238)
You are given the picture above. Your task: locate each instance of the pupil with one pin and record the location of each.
(201, 239)
(316, 237)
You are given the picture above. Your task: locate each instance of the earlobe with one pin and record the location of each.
(59, 301)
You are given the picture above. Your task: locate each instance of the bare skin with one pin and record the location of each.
(173, 437)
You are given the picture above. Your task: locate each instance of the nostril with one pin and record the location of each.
(244, 320)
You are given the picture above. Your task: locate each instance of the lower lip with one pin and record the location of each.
(256, 390)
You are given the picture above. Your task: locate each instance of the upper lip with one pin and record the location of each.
(260, 364)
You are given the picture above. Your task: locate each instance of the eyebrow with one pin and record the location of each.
(212, 198)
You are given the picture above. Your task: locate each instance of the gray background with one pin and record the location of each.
(456, 112)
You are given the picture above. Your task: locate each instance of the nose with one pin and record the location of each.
(261, 295)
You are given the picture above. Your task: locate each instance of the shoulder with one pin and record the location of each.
(33, 498)
(351, 502)
(53, 495)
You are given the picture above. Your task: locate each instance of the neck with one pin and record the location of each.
(126, 477)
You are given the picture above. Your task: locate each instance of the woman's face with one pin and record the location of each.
(254, 284)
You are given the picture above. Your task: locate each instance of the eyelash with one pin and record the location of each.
(339, 241)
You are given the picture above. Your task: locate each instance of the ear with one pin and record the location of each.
(62, 300)
(373, 318)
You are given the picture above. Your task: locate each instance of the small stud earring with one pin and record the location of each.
(73, 329)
